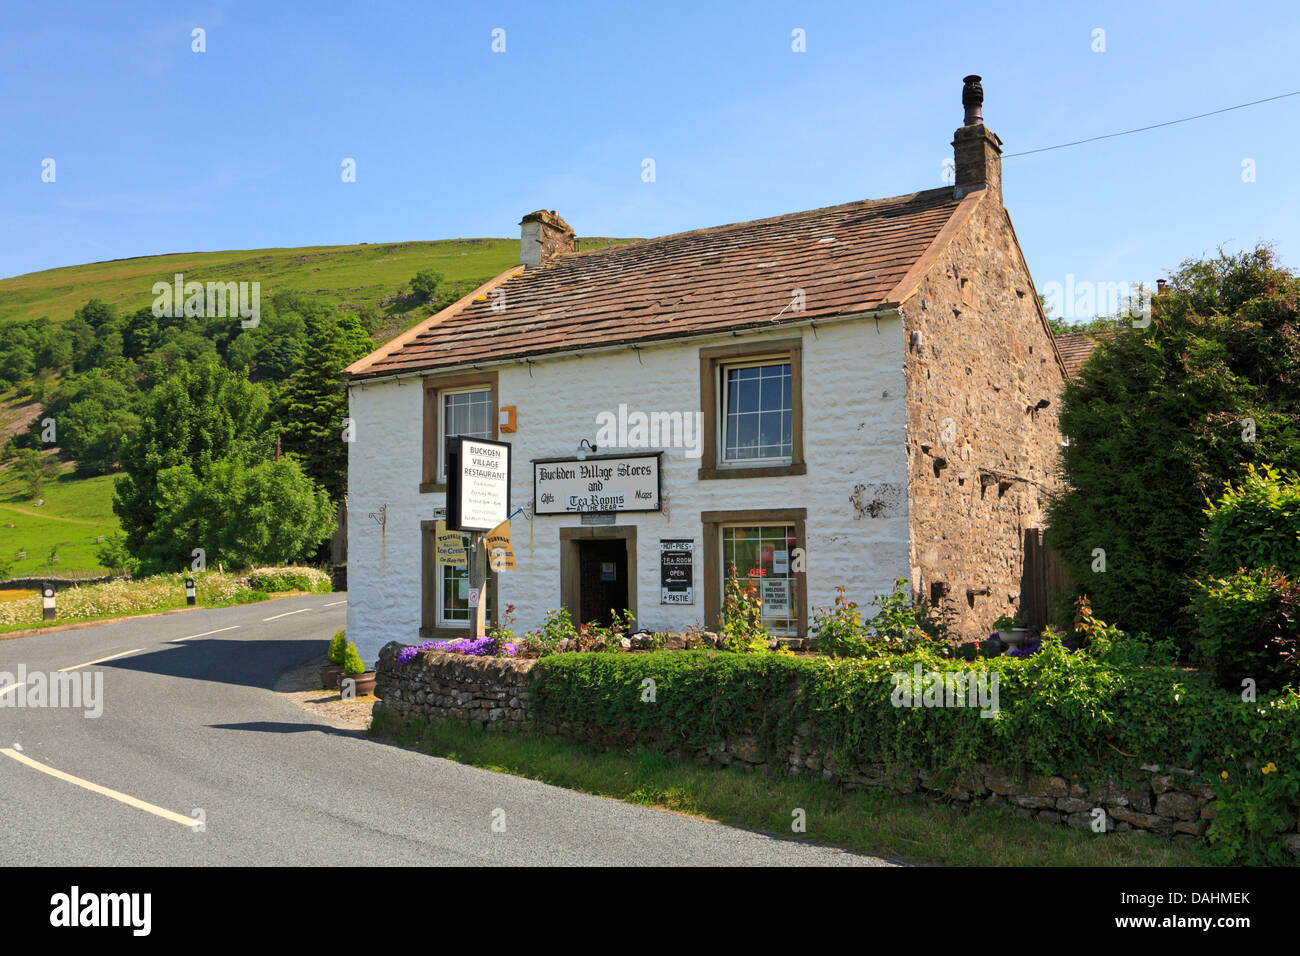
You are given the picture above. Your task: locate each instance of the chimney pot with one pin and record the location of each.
(972, 98)
(1160, 287)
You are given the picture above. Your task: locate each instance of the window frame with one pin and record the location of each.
(713, 361)
(715, 570)
(431, 626)
(724, 402)
(440, 474)
(432, 480)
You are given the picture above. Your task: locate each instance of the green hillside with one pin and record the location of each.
(351, 277)
(348, 276)
(74, 514)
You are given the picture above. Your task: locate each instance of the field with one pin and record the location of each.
(75, 512)
(347, 276)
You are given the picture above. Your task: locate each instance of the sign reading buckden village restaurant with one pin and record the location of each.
(816, 355)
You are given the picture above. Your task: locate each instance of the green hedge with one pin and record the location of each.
(291, 578)
(1060, 712)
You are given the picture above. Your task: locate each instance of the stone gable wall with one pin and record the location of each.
(980, 465)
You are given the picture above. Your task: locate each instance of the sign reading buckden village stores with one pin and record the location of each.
(603, 484)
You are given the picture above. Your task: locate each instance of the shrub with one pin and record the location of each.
(1256, 525)
(594, 636)
(292, 578)
(740, 625)
(1156, 418)
(1249, 626)
(352, 664)
(898, 625)
(1058, 713)
(338, 647)
(556, 626)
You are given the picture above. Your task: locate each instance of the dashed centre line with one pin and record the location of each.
(99, 660)
(191, 637)
(301, 610)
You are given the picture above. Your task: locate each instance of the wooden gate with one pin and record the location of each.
(1041, 580)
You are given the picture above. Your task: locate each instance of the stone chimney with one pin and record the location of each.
(977, 151)
(544, 235)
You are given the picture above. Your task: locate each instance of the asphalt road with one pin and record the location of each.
(193, 725)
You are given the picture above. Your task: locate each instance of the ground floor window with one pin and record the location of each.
(759, 556)
(762, 548)
(453, 597)
(444, 592)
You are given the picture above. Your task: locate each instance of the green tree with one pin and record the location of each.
(314, 402)
(35, 468)
(425, 284)
(113, 554)
(93, 412)
(1160, 418)
(242, 514)
(197, 416)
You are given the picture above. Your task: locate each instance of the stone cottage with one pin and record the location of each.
(846, 396)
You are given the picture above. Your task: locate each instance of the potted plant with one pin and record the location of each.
(355, 671)
(331, 672)
(1011, 631)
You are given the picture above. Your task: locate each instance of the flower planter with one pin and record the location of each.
(329, 676)
(1014, 637)
(365, 683)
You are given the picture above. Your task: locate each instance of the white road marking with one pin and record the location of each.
(104, 791)
(100, 660)
(9, 687)
(204, 634)
(301, 610)
(336, 603)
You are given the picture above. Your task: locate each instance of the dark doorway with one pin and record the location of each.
(602, 580)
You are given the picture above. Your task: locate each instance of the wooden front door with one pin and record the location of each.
(602, 580)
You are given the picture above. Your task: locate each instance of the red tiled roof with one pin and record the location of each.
(848, 259)
(1076, 347)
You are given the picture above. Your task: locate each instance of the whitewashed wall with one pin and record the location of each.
(854, 431)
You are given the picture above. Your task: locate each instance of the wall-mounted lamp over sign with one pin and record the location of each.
(47, 602)
(585, 448)
(189, 591)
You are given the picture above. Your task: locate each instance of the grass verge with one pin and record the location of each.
(909, 829)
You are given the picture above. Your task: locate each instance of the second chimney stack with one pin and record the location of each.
(543, 235)
(977, 151)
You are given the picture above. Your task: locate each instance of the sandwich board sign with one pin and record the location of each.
(478, 483)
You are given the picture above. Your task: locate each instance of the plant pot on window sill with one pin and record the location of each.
(329, 676)
(364, 683)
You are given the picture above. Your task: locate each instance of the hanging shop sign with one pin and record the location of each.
(608, 483)
(676, 571)
(500, 549)
(449, 546)
(478, 483)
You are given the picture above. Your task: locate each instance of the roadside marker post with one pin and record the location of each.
(47, 602)
(189, 591)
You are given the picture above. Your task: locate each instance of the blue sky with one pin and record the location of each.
(160, 149)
